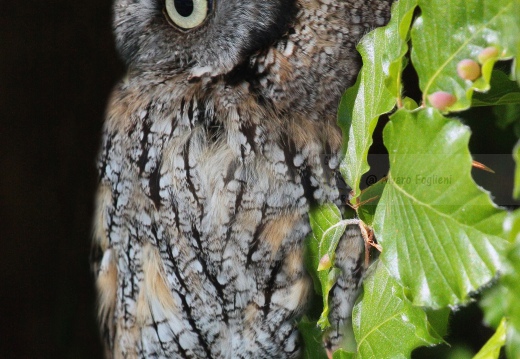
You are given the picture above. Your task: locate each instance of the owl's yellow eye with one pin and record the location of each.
(187, 14)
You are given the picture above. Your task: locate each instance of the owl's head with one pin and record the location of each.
(297, 55)
(198, 35)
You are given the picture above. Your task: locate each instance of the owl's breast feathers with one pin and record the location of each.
(205, 184)
(201, 219)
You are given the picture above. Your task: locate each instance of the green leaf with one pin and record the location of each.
(343, 354)
(491, 350)
(511, 281)
(327, 225)
(327, 229)
(506, 115)
(441, 234)
(516, 156)
(376, 90)
(512, 227)
(438, 320)
(368, 200)
(386, 324)
(312, 260)
(399, 30)
(493, 304)
(450, 31)
(409, 103)
(327, 283)
(460, 352)
(313, 346)
(321, 219)
(503, 91)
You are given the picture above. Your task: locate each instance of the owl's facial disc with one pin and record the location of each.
(187, 14)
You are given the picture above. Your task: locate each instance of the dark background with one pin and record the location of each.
(57, 66)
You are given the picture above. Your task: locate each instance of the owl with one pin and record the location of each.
(217, 142)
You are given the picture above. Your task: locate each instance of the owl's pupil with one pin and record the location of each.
(184, 7)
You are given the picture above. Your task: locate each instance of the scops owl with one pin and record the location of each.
(217, 142)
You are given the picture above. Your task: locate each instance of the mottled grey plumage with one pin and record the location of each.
(215, 145)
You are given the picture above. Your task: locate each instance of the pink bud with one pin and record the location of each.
(442, 100)
(325, 262)
(468, 70)
(487, 54)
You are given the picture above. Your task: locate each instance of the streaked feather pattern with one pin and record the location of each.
(206, 177)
